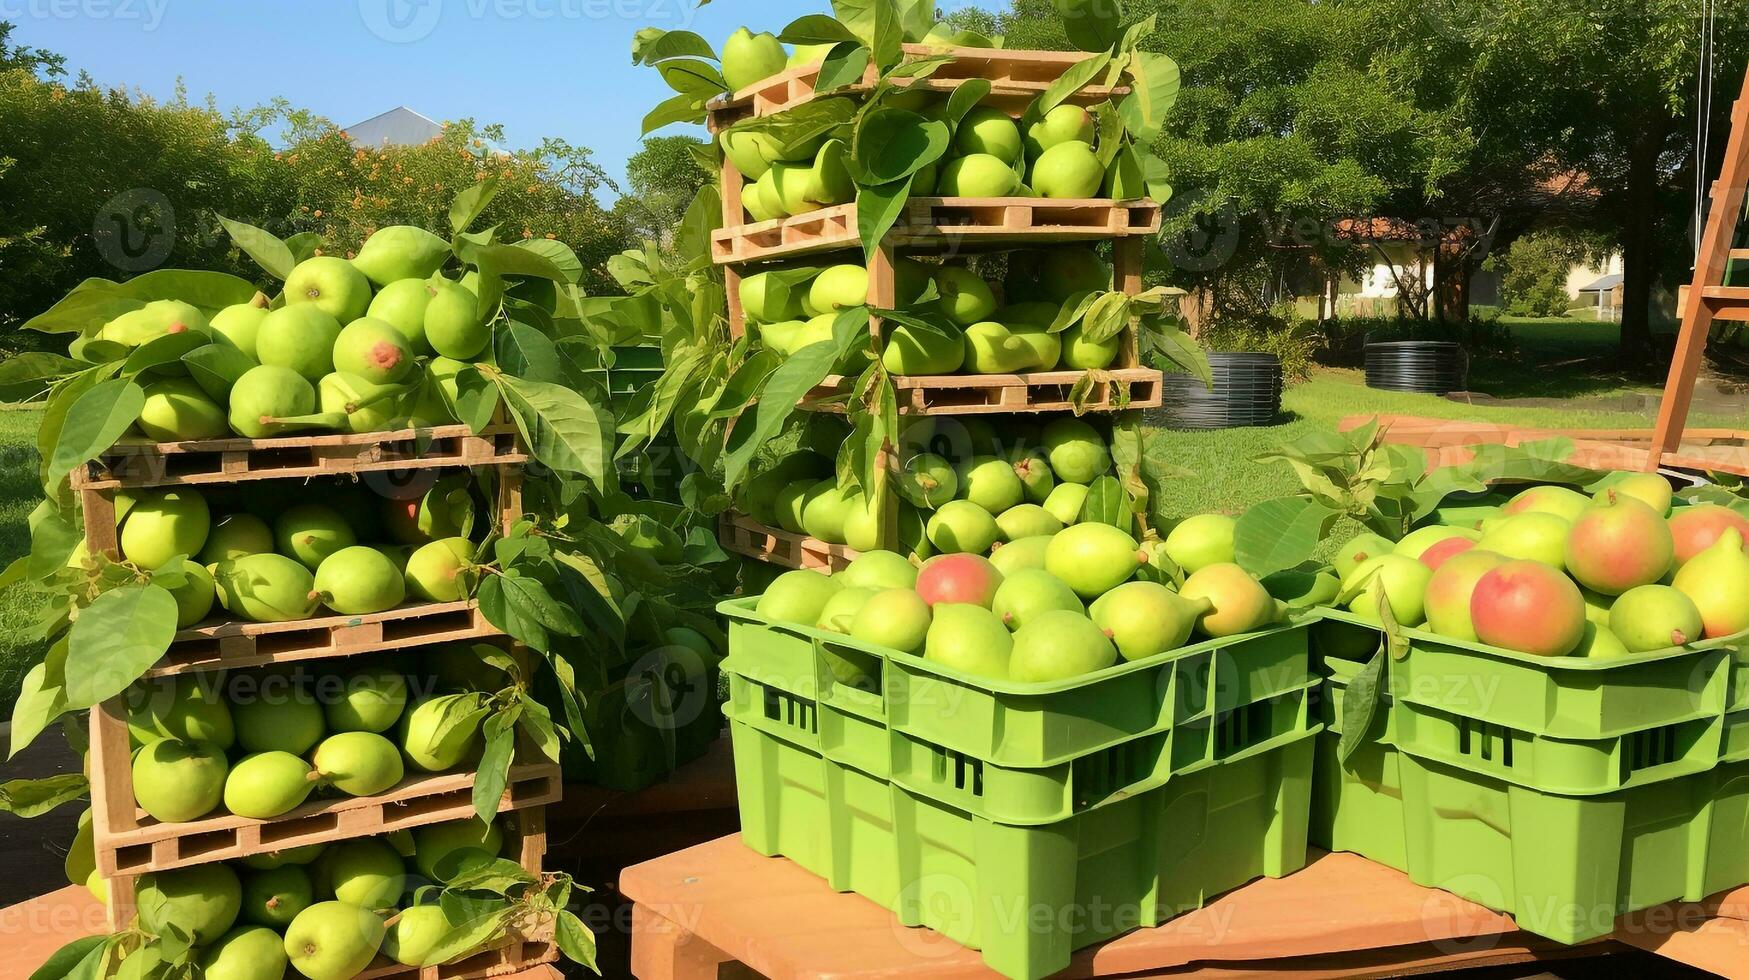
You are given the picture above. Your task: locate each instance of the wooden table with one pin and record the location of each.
(721, 907)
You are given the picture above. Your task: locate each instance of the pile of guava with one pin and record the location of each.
(272, 552)
(327, 911)
(1556, 572)
(260, 743)
(973, 325)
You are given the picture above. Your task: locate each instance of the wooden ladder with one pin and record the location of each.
(1708, 299)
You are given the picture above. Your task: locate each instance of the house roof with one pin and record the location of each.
(399, 126)
(1604, 283)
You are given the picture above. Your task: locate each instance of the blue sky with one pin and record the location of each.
(541, 67)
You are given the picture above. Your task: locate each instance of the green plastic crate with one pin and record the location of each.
(1357, 806)
(1026, 896)
(1011, 795)
(1017, 724)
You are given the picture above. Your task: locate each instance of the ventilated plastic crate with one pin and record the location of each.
(1018, 724)
(1357, 806)
(1027, 896)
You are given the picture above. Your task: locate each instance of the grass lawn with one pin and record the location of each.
(19, 494)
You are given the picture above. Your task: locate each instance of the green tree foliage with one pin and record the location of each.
(1533, 272)
(21, 58)
(663, 177)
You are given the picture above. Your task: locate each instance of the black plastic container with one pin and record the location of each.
(1431, 367)
(1246, 392)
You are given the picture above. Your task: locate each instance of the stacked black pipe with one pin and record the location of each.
(1247, 391)
(1432, 367)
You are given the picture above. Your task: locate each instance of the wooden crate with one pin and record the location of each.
(1016, 77)
(226, 644)
(984, 394)
(936, 223)
(743, 535)
(141, 463)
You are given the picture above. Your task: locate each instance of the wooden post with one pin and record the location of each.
(1709, 272)
(1126, 263)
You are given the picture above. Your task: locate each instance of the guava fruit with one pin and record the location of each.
(1024, 553)
(968, 638)
(285, 719)
(367, 873)
(330, 284)
(333, 940)
(360, 405)
(1057, 645)
(1398, 580)
(841, 609)
(444, 511)
(453, 326)
(1599, 643)
(1653, 617)
(176, 782)
(373, 350)
(442, 850)
(159, 318)
(750, 58)
(1035, 476)
(991, 348)
(234, 536)
(989, 130)
(312, 532)
(1027, 521)
(358, 763)
(1529, 607)
(1717, 580)
(238, 326)
(1530, 536)
(415, 933)
(1444, 550)
(1028, 593)
(839, 287)
(927, 480)
(264, 396)
(913, 352)
(163, 525)
(202, 901)
(1618, 544)
(440, 733)
(1416, 542)
(1069, 170)
(401, 304)
(1238, 602)
(1046, 347)
(1197, 542)
(897, 618)
(81, 860)
(1066, 500)
(178, 410)
(977, 175)
(266, 588)
(1144, 619)
(962, 526)
(1650, 489)
(1697, 528)
(991, 483)
(767, 299)
(797, 597)
(357, 581)
(1559, 501)
(195, 596)
(824, 514)
(879, 570)
(371, 701)
(264, 785)
(459, 667)
(401, 252)
(1076, 451)
(958, 578)
(442, 571)
(1063, 124)
(1360, 548)
(964, 297)
(300, 856)
(792, 503)
(1093, 558)
(186, 707)
(753, 197)
(1070, 271)
(275, 896)
(1081, 354)
(299, 338)
(1449, 589)
(245, 953)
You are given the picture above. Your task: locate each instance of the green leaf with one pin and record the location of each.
(42, 698)
(1091, 25)
(1359, 703)
(1281, 533)
(216, 367)
(575, 940)
(471, 203)
(88, 307)
(494, 767)
(892, 144)
(81, 957)
(115, 640)
(36, 369)
(888, 40)
(845, 65)
(29, 798)
(1072, 80)
(817, 29)
(160, 351)
(93, 424)
(561, 257)
(652, 44)
(1175, 350)
(1106, 317)
(964, 99)
(795, 377)
(1154, 84)
(207, 290)
(689, 76)
(525, 352)
(304, 245)
(53, 539)
(686, 107)
(562, 428)
(878, 209)
(269, 252)
(469, 937)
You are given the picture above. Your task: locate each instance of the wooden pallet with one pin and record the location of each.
(743, 535)
(515, 957)
(1451, 443)
(1016, 79)
(984, 394)
(937, 223)
(226, 644)
(142, 463)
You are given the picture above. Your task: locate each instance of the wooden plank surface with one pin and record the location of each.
(743, 535)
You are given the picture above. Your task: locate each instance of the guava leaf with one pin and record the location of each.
(1071, 81)
(888, 40)
(81, 956)
(965, 97)
(472, 935)
(652, 44)
(216, 367)
(561, 427)
(566, 267)
(93, 424)
(42, 698)
(878, 209)
(159, 351)
(471, 203)
(35, 369)
(690, 76)
(1106, 504)
(575, 940)
(34, 797)
(687, 107)
(525, 352)
(1360, 702)
(892, 144)
(304, 244)
(1154, 84)
(844, 65)
(269, 252)
(795, 377)
(89, 306)
(207, 290)
(817, 29)
(1091, 25)
(494, 768)
(1281, 533)
(115, 640)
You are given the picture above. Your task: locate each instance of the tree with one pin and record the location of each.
(664, 176)
(33, 60)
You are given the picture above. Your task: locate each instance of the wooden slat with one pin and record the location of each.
(227, 645)
(985, 394)
(745, 536)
